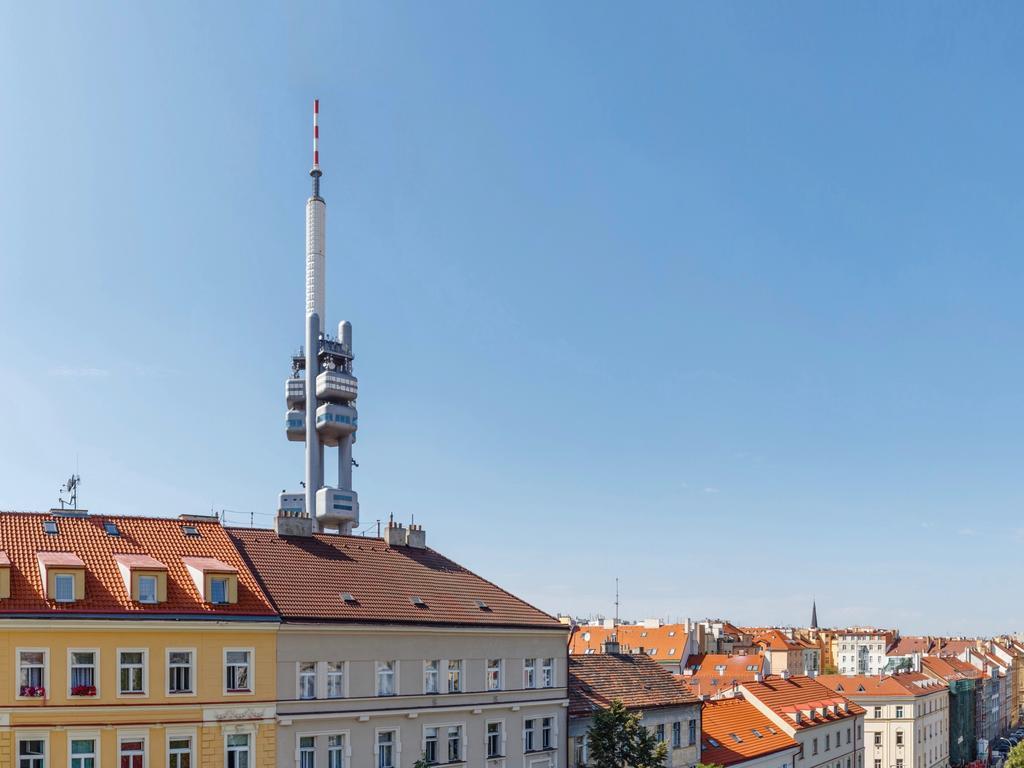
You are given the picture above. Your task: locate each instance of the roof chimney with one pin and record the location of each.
(394, 534)
(416, 537)
(292, 517)
(611, 645)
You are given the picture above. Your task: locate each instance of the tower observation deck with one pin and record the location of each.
(320, 394)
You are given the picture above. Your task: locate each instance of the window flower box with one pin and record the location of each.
(32, 691)
(83, 690)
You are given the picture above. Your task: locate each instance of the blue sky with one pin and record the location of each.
(723, 299)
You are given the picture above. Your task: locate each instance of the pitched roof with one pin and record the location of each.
(84, 540)
(774, 640)
(330, 577)
(785, 695)
(908, 645)
(712, 673)
(664, 643)
(903, 685)
(950, 668)
(734, 730)
(636, 680)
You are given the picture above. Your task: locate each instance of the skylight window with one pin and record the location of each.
(417, 601)
(485, 607)
(348, 597)
(50, 527)
(757, 733)
(191, 531)
(111, 528)
(736, 738)
(713, 743)
(772, 731)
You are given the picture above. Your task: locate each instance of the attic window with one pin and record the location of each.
(191, 531)
(735, 738)
(417, 601)
(50, 527)
(839, 688)
(672, 633)
(643, 634)
(671, 651)
(485, 607)
(772, 731)
(348, 597)
(860, 689)
(111, 528)
(713, 743)
(652, 651)
(757, 733)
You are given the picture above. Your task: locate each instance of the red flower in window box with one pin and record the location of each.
(83, 690)
(32, 691)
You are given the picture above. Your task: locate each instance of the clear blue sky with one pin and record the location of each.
(724, 299)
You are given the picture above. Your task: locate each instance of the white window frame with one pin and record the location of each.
(95, 675)
(396, 745)
(346, 748)
(93, 736)
(554, 732)
(62, 578)
(423, 742)
(502, 740)
(501, 675)
(17, 676)
(156, 588)
(133, 735)
(530, 665)
(216, 579)
(459, 670)
(29, 735)
(145, 674)
(192, 671)
(437, 676)
(173, 734)
(298, 681)
(462, 742)
(547, 670)
(327, 680)
(377, 666)
(250, 748)
(252, 673)
(298, 748)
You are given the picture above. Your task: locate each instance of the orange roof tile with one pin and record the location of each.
(774, 640)
(734, 730)
(664, 643)
(710, 674)
(906, 646)
(950, 668)
(904, 684)
(23, 538)
(308, 578)
(636, 680)
(783, 695)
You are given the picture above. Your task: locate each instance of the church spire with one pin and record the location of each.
(814, 614)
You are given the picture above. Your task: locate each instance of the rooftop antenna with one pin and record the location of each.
(616, 601)
(70, 487)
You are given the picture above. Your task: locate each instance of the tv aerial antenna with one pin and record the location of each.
(70, 488)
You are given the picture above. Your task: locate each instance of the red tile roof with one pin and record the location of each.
(142, 562)
(712, 673)
(22, 537)
(905, 684)
(906, 646)
(734, 730)
(774, 640)
(59, 560)
(636, 680)
(785, 695)
(950, 668)
(307, 578)
(664, 643)
(210, 564)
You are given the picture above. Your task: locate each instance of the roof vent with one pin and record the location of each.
(485, 607)
(417, 601)
(347, 597)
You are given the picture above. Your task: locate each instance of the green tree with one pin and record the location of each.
(1016, 757)
(616, 739)
(422, 763)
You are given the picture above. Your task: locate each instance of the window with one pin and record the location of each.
(430, 745)
(899, 738)
(454, 743)
(529, 735)
(899, 762)
(336, 751)
(494, 674)
(111, 528)
(579, 751)
(147, 589)
(64, 584)
(878, 763)
(179, 753)
(237, 671)
(849, 735)
(50, 527)
(878, 712)
(131, 673)
(431, 672)
(529, 673)
(83, 753)
(899, 712)
(828, 741)
(386, 678)
(546, 726)
(692, 735)
(132, 752)
(659, 732)
(307, 679)
(83, 673)
(179, 672)
(386, 747)
(454, 676)
(335, 679)
(547, 673)
(218, 590)
(814, 746)
(307, 752)
(494, 739)
(32, 673)
(190, 531)
(31, 753)
(236, 751)
(677, 734)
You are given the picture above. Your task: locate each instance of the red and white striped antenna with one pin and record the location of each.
(316, 134)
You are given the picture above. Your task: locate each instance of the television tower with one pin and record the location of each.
(321, 392)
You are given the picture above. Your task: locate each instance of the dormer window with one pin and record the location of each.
(5, 576)
(216, 581)
(144, 577)
(63, 576)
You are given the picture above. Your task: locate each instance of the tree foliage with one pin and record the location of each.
(616, 739)
(1016, 757)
